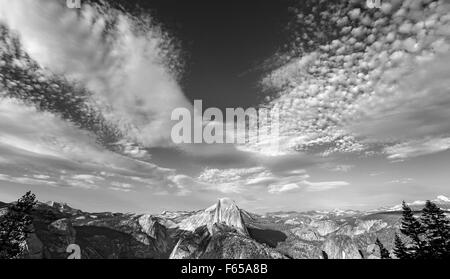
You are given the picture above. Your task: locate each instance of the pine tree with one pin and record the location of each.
(400, 249)
(437, 231)
(412, 228)
(14, 227)
(384, 253)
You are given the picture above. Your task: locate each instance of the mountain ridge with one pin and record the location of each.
(222, 230)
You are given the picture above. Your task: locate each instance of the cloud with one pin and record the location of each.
(129, 64)
(366, 80)
(417, 148)
(122, 187)
(277, 189)
(323, 186)
(26, 180)
(307, 186)
(416, 108)
(228, 175)
(337, 167)
(249, 180)
(41, 149)
(405, 180)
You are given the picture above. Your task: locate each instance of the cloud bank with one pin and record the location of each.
(363, 80)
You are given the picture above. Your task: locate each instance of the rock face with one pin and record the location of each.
(192, 245)
(225, 211)
(34, 247)
(307, 235)
(63, 208)
(324, 227)
(63, 227)
(341, 247)
(224, 242)
(228, 243)
(152, 227)
(219, 233)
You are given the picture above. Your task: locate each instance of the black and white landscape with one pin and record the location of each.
(93, 94)
(221, 231)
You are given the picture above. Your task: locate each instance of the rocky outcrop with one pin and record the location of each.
(223, 242)
(191, 244)
(63, 235)
(341, 247)
(63, 227)
(63, 208)
(324, 227)
(306, 234)
(369, 226)
(151, 226)
(228, 243)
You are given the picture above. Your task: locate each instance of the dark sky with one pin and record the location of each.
(223, 42)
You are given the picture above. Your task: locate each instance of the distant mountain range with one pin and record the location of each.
(220, 231)
(442, 201)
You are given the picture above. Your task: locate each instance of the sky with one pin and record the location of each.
(86, 97)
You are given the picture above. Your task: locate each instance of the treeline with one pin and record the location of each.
(424, 237)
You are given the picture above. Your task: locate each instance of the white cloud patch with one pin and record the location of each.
(277, 189)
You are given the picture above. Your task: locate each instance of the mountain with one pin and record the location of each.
(63, 207)
(222, 231)
(225, 211)
(219, 232)
(442, 201)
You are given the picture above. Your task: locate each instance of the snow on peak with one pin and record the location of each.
(443, 198)
(417, 203)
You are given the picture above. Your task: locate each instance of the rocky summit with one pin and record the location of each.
(222, 231)
(225, 211)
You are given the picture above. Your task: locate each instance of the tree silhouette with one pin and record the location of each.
(15, 227)
(437, 231)
(429, 235)
(400, 249)
(412, 228)
(384, 253)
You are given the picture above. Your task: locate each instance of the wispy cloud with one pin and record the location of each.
(40, 148)
(417, 148)
(337, 167)
(129, 64)
(249, 180)
(404, 180)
